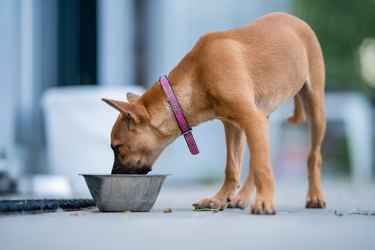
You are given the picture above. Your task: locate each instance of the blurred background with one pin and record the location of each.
(58, 58)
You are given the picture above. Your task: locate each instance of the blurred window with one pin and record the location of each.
(77, 42)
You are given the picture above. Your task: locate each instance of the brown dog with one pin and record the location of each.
(239, 76)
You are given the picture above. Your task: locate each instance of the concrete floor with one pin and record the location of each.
(292, 228)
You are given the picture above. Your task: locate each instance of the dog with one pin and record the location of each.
(240, 77)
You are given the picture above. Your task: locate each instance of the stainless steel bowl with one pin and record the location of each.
(121, 192)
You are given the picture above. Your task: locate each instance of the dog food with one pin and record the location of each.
(167, 210)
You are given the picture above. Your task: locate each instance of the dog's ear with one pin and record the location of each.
(132, 97)
(137, 112)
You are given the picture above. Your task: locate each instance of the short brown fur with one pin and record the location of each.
(239, 76)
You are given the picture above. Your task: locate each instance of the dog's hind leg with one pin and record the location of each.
(313, 100)
(235, 141)
(312, 95)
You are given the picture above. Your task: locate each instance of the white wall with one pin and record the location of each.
(116, 42)
(9, 77)
(28, 64)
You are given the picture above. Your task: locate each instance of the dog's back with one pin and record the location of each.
(279, 52)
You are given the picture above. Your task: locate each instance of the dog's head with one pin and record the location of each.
(135, 143)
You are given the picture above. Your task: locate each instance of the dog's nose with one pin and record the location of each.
(130, 169)
(116, 148)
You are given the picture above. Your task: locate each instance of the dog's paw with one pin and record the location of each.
(262, 205)
(212, 203)
(239, 201)
(315, 200)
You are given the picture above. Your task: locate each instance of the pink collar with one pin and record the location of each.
(177, 111)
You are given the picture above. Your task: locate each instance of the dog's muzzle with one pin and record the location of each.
(130, 169)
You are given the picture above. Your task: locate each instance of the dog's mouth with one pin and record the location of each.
(130, 169)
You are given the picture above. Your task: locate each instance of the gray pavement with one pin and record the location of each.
(339, 226)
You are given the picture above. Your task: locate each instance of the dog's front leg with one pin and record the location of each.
(236, 141)
(242, 198)
(256, 129)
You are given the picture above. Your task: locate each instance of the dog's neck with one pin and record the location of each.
(161, 114)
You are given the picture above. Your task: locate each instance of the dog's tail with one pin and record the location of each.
(298, 115)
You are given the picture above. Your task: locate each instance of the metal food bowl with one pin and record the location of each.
(124, 192)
